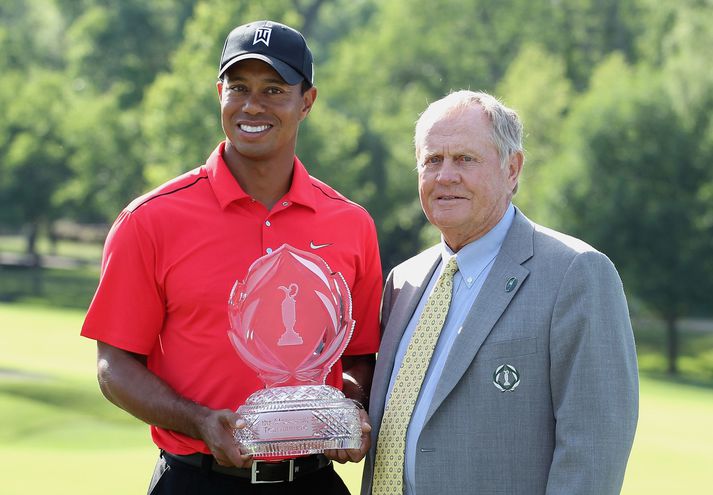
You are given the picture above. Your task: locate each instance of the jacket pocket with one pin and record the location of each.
(508, 348)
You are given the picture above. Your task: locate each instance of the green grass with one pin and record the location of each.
(58, 434)
(54, 418)
(673, 449)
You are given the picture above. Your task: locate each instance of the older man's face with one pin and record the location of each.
(463, 189)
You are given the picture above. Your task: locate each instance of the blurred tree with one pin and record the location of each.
(642, 190)
(31, 35)
(32, 154)
(65, 148)
(688, 83)
(585, 31)
(686, 51)
(537, 86)
(102, 144)
(123, 45)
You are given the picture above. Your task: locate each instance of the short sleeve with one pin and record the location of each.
(128, 308)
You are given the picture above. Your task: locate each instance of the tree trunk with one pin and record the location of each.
(35, 268)
(53, 238)
(33, 230)
(31, 244)
(672, 337)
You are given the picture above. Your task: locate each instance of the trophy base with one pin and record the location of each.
(298, 420)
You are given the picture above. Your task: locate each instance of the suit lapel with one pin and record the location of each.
(488, 307)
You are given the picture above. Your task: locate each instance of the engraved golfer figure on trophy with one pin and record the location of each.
(290, 320)
(290, 337)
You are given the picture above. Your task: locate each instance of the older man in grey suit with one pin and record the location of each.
(527, 384)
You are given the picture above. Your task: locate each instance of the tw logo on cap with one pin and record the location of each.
(263, 35)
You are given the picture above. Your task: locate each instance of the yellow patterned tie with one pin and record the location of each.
(389, 462)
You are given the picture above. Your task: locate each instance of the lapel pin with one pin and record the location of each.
(506, 378)
(510, 286)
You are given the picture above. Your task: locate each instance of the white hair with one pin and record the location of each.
(506, 126)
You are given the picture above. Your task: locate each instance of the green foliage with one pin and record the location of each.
(123, 45)
(686, 56)
(103, 155)
(542, 98)
(329, 145)
(640, 193)
(31, 35)
(32, 154)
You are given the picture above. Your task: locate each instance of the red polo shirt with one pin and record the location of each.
(173, 255)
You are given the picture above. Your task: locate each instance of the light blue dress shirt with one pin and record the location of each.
(474, 263)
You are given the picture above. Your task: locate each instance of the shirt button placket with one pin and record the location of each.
(267, 238)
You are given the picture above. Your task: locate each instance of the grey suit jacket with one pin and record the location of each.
(553, 309)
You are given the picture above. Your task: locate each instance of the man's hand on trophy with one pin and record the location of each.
(354, 455)
(218, 432)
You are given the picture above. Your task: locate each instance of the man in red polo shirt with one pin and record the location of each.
(159, 315)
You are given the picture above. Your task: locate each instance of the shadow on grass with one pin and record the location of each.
(69, 395)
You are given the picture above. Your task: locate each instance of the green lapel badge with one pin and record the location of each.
(510, 286)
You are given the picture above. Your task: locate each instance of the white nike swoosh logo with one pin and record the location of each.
(318, 246)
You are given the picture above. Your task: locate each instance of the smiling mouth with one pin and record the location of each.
(254, 129)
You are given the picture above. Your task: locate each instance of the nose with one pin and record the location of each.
(448, 173)
(252, 104)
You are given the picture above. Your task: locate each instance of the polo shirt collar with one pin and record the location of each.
(301, 191)
(227, 189)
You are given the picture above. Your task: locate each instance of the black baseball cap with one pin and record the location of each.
(284, 48)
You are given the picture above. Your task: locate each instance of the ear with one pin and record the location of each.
(515, 163)
(219, 85)
(308, 99)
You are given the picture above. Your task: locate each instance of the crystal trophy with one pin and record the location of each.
(290, 321)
